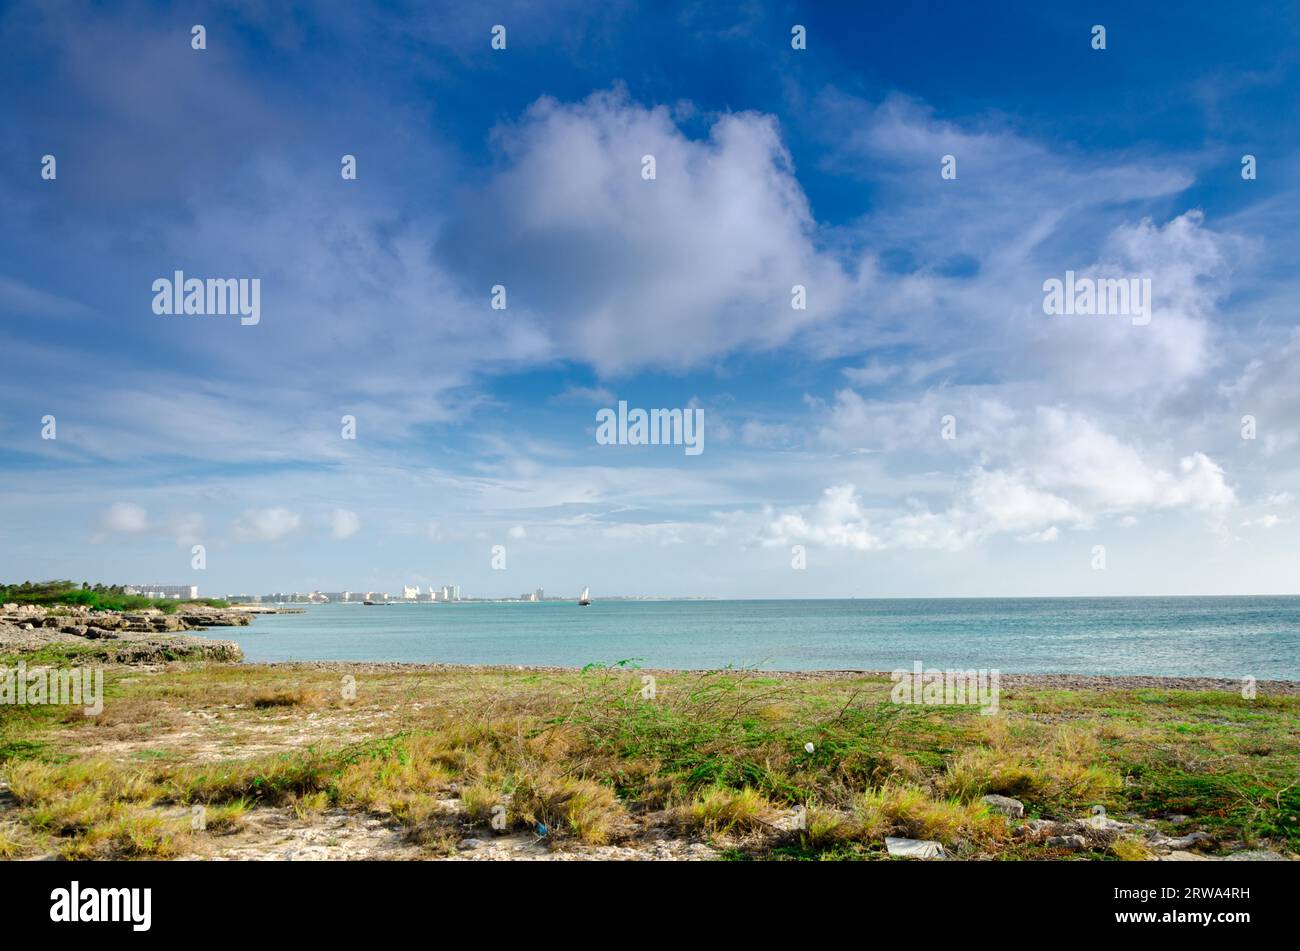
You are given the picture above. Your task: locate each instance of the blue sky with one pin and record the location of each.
(774, 167)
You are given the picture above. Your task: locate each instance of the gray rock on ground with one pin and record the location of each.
(1180, 844)
(1072, 843)
(1012, 808)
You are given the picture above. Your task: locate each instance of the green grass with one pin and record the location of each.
(59, 654)
(719, 755)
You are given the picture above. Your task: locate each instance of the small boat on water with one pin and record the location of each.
(584, 599)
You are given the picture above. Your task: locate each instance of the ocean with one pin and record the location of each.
(1189, 636)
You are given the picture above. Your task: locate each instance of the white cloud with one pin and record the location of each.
(965, 262)
(125, 518)
(344, 523)
(872, 373)
(1049, 534)
(1072, 453)
(596, 395)
(1264, 521)
(1035, 473)
(1005, 502)
(633, 273)
(1268, 388)
(992, 503)
(267, 524)
(836, 520)
(755, 432)
(188, 528)
(1188, 265)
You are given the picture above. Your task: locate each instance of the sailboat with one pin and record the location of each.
(584, 599)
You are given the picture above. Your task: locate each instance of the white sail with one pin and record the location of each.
(586, 595)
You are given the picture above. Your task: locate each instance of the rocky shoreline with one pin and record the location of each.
(112, 637)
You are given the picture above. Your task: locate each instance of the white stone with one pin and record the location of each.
(913, 848)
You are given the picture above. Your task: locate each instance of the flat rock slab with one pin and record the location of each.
(913, 848)
(1180, 844)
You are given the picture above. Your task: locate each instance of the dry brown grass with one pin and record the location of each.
(16, 841)
(913, 813)
(1052, 769)
(478, 800)
(723, 810)
(286, 698)
(567, 806)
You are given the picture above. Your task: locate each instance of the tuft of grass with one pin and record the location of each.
(827, 828)
(37, 783)
(478, 800)
(380, 779)
(15, 841)
(270, 779)
(913, 813)
(1130, 850)
(285, 698)
(588, 810)
(1066, 777)
(144, 836)
(309, 805)
(721, 810)
(227, 817)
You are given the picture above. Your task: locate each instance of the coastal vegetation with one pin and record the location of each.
(751, 765)
(97, 597)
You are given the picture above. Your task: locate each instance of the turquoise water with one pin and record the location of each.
(1210, 637)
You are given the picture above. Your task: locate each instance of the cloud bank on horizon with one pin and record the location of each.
(838, 251)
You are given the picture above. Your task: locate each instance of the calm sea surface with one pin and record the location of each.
(1212, 637)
